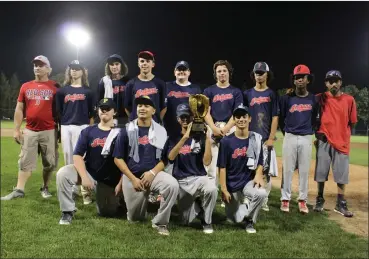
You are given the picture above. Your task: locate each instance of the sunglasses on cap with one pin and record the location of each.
(333, 80)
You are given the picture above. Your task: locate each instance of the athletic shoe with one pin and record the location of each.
(303, 207)
(16, 193)
(87, 199)
(319, 206)
(250, 227)
(45, 192)
(265, 206)
(222, 204)
(162, 229)
(66, 218)
(341, 208)
(285, 206)
(208, 229)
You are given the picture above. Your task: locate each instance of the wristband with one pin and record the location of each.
(152, 172)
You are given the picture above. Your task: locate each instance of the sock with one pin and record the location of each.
(320, 189)
(340, 197)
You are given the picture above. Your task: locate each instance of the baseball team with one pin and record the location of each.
(132, 141)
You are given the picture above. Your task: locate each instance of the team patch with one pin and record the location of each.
(178, 94)
(74, 97)
(301, 108)
(146, 91)
(143, 140)
(222, 97)
(185, 150)
(98, 142)
(259, 100)
(118, 89)
(239, 152)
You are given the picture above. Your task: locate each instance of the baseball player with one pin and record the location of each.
(337, 115)
(91, 168)
(223, 99)
(178, 92)
(189, 157)
(75, 108)
(113, 85)
(138, 155)
(240, 163)
(263, 107)
(145, 84)
(36, 102)
(298, 111)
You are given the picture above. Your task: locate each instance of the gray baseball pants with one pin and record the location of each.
(164, 184)
(296, 152)
(191, 188)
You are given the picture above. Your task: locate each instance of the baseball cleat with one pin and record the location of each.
(45, 192)
(303, 207)
(319, 206)
(285, 206)
(341, 208)
(162, 229)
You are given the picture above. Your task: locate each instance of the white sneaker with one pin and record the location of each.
(222, 204)
(250, 227)
(45, 192)
(87, 200)
(162, 229)
(208, 229)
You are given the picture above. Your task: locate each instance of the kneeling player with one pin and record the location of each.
(91, 168)
(189, 157)
(240, 154)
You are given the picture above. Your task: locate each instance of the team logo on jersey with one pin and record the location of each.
(178, 94)
(185, 150)
(301, 108)
(146, 91)
(239, 152)
(259, 100)
(98, 142)
(222, 97)
(143, 140)
(118, 89)
(74, 97)
(39, 94)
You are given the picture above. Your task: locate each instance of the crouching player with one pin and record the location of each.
(197, 193)
(240, 163)
(94, 169)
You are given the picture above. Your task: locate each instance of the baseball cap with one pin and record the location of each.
(333, 74)
(183, 109)
(240, 110)
(107, 102)
(76, 65)
(146, 55)
(43, 59)
(146, 100)
(182, 64)
(261, 66)
(114, 58)
(301, 70)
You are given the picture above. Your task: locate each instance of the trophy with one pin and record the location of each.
(199, 106)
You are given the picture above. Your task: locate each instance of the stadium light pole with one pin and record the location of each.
(78, 37)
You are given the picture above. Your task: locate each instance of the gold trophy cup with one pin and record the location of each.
(199, 106)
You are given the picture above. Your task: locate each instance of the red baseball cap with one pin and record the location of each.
(301, 70)
(146, 55)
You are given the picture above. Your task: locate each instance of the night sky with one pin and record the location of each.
(322, 35)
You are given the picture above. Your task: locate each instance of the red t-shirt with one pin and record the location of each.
(38, 98)
(338, 115)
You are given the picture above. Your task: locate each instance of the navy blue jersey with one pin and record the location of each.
(187, 163)
(146, 151)
(298, 114)
(154, 88)
(223, 101)
(176, 95)
(263, 106)
(102, 168)
(119, 87)
(75, 105)
(232, 157)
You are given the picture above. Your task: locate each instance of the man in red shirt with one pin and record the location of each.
(337, 115)
(36, 103)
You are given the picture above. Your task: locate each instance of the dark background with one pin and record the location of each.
(322, 35)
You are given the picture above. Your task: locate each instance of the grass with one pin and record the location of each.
(30, 229)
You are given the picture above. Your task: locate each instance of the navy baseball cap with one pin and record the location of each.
(182, 64)
(76, 64)
(183, 109)
(106, 102)
(261, 66)
(240, 110)
(114, 58)
(333, 74)
(146, 100)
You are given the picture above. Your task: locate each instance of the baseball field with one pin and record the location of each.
(30, 229)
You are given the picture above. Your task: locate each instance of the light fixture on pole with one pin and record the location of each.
(78, 37)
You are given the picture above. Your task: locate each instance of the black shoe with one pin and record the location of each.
(319, 206)
(66, 218)
(341, 208)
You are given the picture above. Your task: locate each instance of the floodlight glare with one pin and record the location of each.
(78, 37)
